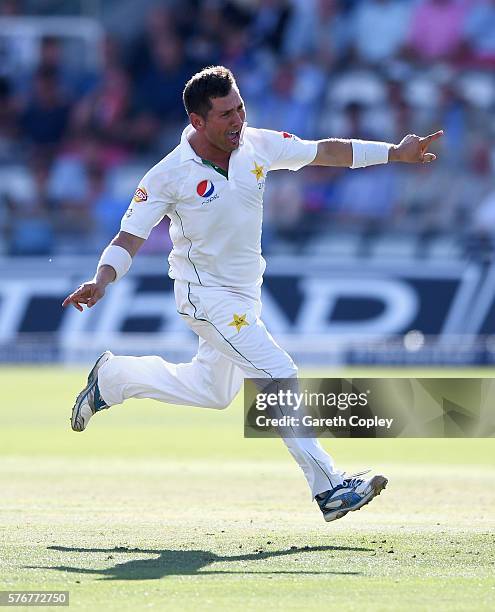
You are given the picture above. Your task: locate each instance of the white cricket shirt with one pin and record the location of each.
(215, 221)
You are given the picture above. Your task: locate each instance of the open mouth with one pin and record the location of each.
(234, 136)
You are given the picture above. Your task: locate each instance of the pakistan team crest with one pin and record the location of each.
(238, 321)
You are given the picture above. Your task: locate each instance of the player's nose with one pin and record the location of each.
(238, 120)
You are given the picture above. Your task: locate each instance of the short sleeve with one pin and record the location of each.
(151, 202)
(288, 152)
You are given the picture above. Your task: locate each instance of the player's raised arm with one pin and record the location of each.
(114, 262)
(359, 153)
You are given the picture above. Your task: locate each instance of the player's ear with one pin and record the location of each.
(197, 121)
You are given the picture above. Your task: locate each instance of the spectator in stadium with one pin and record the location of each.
(78, 184)
(483, 222)
(473, 185)
(452, 111)
(291, 102)
(331, 35)
(45, 117)
(368, 199)
(235, 47)
(106, 206)
(479, 32)
(156, 90)
(400, 111)
(284, 215)
(437, 29)
(159, 23)
(388, 21)
(9, 123)
(319, 198)
(107, 110)
(418, 190)
(30, 226)
(292, 58)
(10, 8)
(269, 24)
(204, 43)
(74, 79)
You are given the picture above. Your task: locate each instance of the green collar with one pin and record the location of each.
(215, 167)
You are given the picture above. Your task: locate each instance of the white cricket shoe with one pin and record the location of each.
(89, 401)
(351, 495)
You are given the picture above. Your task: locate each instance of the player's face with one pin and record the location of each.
(224, 121)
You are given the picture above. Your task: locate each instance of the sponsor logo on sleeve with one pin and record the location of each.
(141, 195)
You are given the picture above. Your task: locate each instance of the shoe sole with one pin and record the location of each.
(334, 517)
(75, 421)
(378, 483)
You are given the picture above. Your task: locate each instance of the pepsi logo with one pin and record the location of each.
(205, 189)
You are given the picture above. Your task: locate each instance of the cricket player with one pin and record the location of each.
(211, 188)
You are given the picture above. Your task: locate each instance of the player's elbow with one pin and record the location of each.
(127, 241)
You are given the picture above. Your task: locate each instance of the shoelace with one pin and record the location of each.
(353, 480)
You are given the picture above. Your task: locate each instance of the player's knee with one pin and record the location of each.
(221, 400)
(288, 370)
(220, 403)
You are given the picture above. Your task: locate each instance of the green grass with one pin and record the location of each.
(171, 508)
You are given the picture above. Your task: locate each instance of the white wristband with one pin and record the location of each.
(118, 258)
(365, 153)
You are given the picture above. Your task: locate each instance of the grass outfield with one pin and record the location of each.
(172, 508)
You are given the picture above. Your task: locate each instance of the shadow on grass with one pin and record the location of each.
(184, 562)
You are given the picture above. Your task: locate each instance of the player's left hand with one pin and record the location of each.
(414, 149)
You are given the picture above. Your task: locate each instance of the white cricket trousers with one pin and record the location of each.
(233, 344)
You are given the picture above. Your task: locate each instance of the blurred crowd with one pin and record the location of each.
(74, 140)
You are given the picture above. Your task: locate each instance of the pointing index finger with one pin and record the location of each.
(432, 137)
(71, 300)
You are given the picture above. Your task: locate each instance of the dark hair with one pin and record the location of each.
(211, 82)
